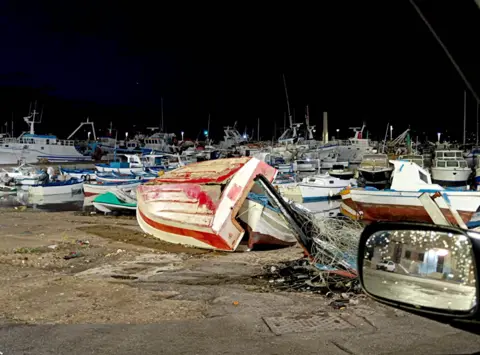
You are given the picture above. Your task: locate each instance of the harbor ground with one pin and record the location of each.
(121, 292)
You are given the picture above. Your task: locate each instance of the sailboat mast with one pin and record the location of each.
(476, 135)
(288, 102)
(258, 130)
(161, 114)
(464, 117)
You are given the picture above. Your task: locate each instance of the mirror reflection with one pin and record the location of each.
(422, 268)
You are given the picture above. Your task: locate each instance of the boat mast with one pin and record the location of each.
(476, 136)
(288, 102)
(161, 114)
(464, 117)
(258, 130)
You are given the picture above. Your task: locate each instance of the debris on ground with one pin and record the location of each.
(73, 255)
(330, 263)
(82, 242)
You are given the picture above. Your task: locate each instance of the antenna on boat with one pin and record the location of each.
(288, 102)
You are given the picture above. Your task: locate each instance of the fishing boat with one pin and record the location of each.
(124, 164)
(30, 147)
(375, 169)
(265, 223)
(72, 186)
(354, 149)
(199, 204)
(450, 169)
(413, 158)
(402, 202)
(116, 178)
(93, 188)
(115, 200)
(340, 172)
(81, 174)
(322, 187)
(306, 165)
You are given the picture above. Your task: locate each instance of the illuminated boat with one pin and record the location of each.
(199, 205)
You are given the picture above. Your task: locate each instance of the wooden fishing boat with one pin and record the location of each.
(199, 204)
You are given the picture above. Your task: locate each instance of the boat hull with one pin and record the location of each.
(92, 189)
(406, 206)
(313, 193)
(56, 189)
(375, 176)
(451, 177)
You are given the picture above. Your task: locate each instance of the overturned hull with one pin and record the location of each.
(265, 224)
(198, 204)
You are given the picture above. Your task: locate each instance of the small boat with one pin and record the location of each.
(72, 186)
(402, 202)
(199, 204)
(113, 177)
(5, 189)
(96, 188)
(307, 165)
(322, 187)
(265, 224)
(81, 174)
(117, 200)
(449, 168)
(375, 169)
(126, 164)
(341, 172)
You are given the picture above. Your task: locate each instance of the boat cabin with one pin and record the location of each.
(413, 158)
(374, 160)
(449, 159)
(448, 154)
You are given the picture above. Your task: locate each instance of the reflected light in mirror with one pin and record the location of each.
(421, 268)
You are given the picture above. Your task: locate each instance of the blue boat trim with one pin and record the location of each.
(315, 199)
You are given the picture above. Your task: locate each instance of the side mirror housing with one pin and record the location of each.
(426, 269)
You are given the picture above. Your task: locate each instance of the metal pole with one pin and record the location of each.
(161, 114)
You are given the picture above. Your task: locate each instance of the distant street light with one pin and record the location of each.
(391, 132)
(205, 133)
(182, 132)
(126, 135)
(89, 133)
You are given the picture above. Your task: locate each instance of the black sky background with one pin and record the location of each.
(372, 61)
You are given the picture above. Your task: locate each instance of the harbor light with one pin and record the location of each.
(205, 133)
(244, 136)
(438, 136)
(182, 132)
(88, 134)
(126, 135)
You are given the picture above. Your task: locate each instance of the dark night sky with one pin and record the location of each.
(360, 60)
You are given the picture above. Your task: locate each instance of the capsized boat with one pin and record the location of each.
(116, 200)
(72, 186)
(199, 204)
(402, 202)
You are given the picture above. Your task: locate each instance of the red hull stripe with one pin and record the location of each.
(208, 238)
(90, 193)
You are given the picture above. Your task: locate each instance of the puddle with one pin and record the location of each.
(130, 236)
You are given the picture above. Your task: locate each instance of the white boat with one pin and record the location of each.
(375, 169)
(72, 186)
(264, 222)
(322, 187)
(413, 158)
(449, 168)
(402, 203)
(159, 142)
(81, 174)
(353, 149)
(126, 164)
(93, 188)
(341, 173)
(306, 165)
(331, 161)
(31, 147)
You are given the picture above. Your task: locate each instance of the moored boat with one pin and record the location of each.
(375, 169)
(322, 187)
(450, 169)
(402, 202)
(72, 186)
(114, 201)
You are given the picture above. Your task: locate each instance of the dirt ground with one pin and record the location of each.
(116, 273)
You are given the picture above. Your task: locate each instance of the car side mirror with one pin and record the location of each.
(424, 268)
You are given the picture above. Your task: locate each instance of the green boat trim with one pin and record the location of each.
(111, 199)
